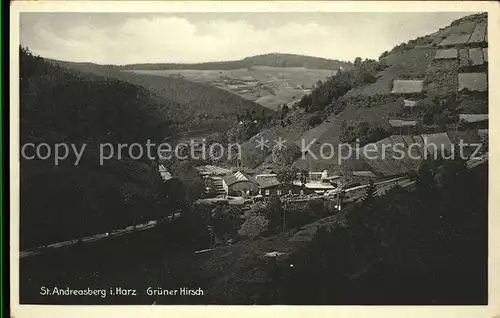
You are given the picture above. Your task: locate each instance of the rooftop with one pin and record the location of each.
(237, 177)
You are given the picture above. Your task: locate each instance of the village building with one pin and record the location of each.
(316, 182)
(317, 187)
(271, 186)
(239, 184)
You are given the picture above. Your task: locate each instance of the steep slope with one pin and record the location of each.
(436, 107)
(366, 95)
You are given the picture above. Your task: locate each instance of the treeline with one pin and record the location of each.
(327, 93)
(416, 246)
(271, 59)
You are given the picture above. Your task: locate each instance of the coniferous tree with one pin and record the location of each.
(369, 196)
(275, 212)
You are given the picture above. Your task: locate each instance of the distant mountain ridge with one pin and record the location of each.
(270, 59)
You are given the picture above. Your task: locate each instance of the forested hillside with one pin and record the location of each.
(65, 201)
(200, 109)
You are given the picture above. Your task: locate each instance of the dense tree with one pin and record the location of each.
(327, 92)
(397, 242)
(363, 131)
(275, 213)
(226, 221)
(287, 176)
(314, 120)
(190, 179)
(357, 61)
(369, 196)
(285, 157)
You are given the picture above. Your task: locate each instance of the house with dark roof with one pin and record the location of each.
(270, 186)
(240, 184)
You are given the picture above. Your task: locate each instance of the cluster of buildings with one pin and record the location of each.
(248, 183)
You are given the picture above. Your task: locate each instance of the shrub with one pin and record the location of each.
(275, 213)
(314, 120)
(253, 226)
(226, 221)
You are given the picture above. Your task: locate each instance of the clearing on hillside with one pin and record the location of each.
(407, 86)
(476, 56)
(446, 54)
(455, 39)
(473, 118)
(479, 34)
(402, 123)
(472, 81)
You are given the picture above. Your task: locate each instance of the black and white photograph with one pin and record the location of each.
(253, 158)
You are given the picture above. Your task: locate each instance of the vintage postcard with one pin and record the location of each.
(320, 156)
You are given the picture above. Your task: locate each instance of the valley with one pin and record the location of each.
(272, 224)
(268, 86)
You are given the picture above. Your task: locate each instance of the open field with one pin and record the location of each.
(266, 85)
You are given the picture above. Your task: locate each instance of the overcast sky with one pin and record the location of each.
(123, 38)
